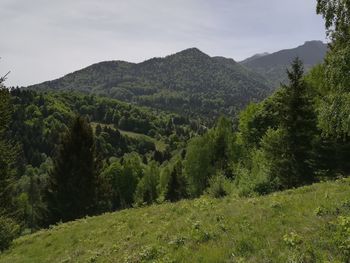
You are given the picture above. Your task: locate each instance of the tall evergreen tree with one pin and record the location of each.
(73, 182)
(8, 210)
(7, 154)
(298, 120)
(176, 188)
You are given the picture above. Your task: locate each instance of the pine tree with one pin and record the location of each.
(7, 154)
(298, 120)
(9, 229)
(176, 188)
(73, 182)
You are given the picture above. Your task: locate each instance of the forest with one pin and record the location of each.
(66, 155)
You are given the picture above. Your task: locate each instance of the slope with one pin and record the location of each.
(189, 82)
(308, 224)
(273, 66)
(40, 118)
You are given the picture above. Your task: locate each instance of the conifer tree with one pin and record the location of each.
(9, 229)
(7, 154)
(176, 188)
(299, 124)
(73, 182)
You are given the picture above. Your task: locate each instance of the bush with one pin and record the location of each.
(9, 230)
(340, 235)
(219, 186)
(256, 180)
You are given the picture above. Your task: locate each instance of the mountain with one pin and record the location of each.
(256, 56)
(189, 82)
(273, 66)
(310, 224)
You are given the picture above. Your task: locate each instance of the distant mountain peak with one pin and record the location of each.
(273, 66)
(189, 82)
(192, 52)
(259, 55)
(313, 42)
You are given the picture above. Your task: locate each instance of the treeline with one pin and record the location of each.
(40, 118)
(277, 144)
(34, 127)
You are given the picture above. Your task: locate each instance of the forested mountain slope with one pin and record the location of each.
(309, 224)
(189, 82)
(273, 66)
(120, 128)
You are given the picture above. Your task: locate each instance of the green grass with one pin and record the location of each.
(160, 145)
(291, 226)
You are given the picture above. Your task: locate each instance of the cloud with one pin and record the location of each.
(42, 40)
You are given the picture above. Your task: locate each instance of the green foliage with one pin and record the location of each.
(8, 155)
(147, 188)
(299, 122)
(335, 106)
(121, 179)
(258, 177)
(250, 123)
(175, 184)
(189, 83)
(197, 164)
(278, 159)
(9, 230)
(40, 118)
(32, 186)
(219, 186)
(278, 139)
(292, 239)
(341, 233)
(73, 182)
(214, 151)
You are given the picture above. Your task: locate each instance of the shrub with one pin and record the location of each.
(257, 179)
(341, 233)
(219, 186)
(292, 239)
(9, 230)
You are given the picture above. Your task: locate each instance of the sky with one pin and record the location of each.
(43, 40)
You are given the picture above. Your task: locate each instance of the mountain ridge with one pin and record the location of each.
(273, 66)
(189, 82)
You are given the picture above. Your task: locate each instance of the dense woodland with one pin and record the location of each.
(190, 83)
(66, 155)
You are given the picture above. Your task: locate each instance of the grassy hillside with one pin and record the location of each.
(303, 225)
(189, 82)
(159, 144)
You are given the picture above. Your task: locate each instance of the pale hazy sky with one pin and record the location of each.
(46, 39)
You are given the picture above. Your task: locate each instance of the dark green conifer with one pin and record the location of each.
(298, 120)
(176, 188)
(74, 180)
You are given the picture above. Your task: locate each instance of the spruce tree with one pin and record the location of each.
(9, 229)
(7, 154)
(73, 181)
(298, 120)
(176, 188)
